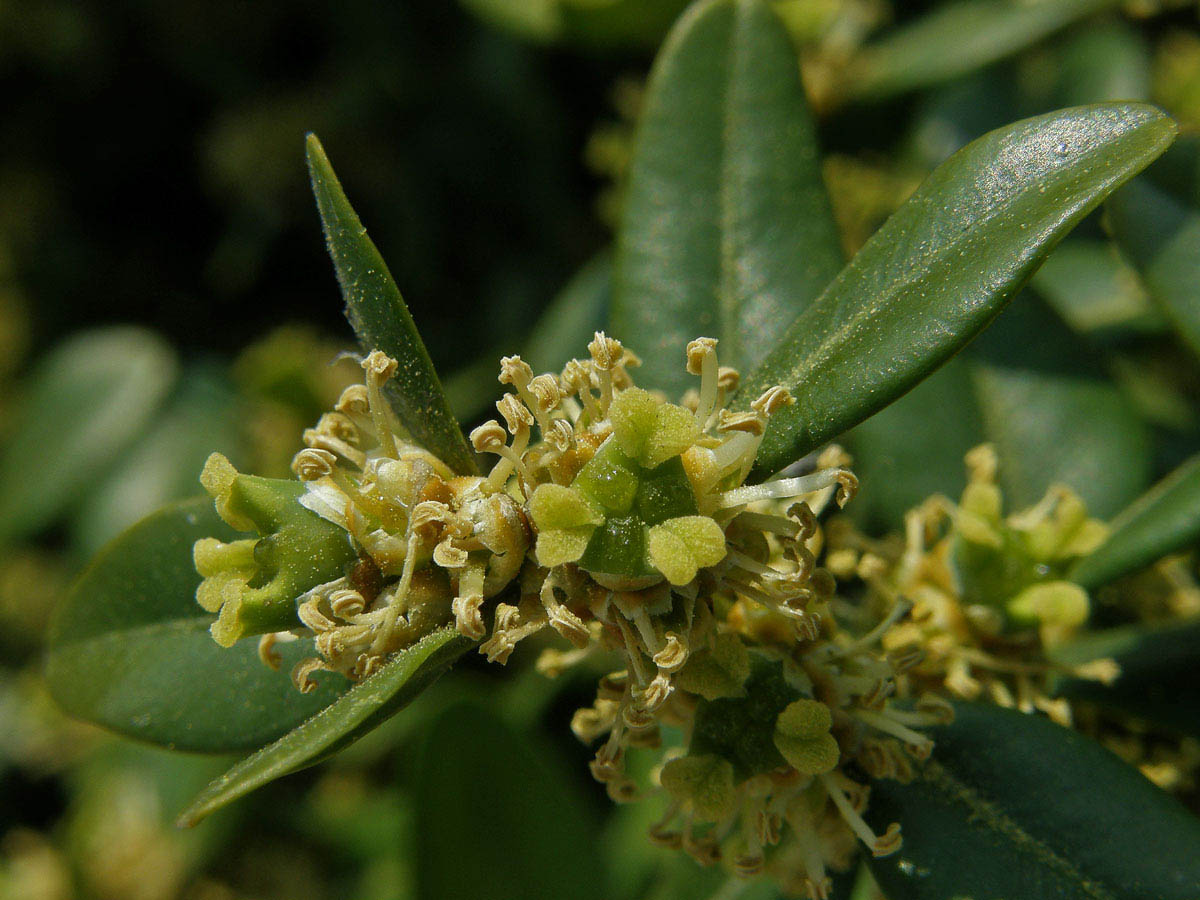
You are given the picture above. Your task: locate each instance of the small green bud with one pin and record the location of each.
(253, 584)
(704, 782)
(802, 736)
(1057, 607)
(680, 547)
(717, 671)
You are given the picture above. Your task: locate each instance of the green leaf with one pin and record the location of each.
(955, 39)
(382, 321)
(1158, 666)
(365, 706)
(1164, 519)
(514, 808)
(561, 333)
(1055, 417)
(1108, 60)
(165, 464)
(1012, 805)
(727, 231)
(1095, 290)
(1161, 236)
(129, 648)
(87, 400)
(915, 447)
(944, 265)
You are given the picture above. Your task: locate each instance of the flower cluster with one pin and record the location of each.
(623, 523)
(984, 596)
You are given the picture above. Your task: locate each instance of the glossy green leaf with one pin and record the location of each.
(365, 706)
(129, 648)
(514, 807)
(87, 401)
(381, 320)
(1161, 236)
(1164, 519)
(1095, 291)
(944, 265)
(955, 39)
(726, 231)
(165, 464)
(1012, 805)
(1160, 673)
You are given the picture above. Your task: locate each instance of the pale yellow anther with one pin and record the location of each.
(546, 392)
(728, 379)
(267, 653)
(576, 376)
(516, 414)
(468, 617)
(353, 401)
(771, 400)
(303, 672)
(560, 435)
(515, 371)
(606, 352)
(746, 422)
(489, 437)
(673, 654)
(698, 351)
(346, 602)
(448, 556)
(379, 366)
(311, 464)
(338, 425)
(982, 463)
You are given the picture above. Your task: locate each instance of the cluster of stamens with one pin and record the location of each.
(623, 523)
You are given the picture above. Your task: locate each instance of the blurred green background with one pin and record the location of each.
(164, 292)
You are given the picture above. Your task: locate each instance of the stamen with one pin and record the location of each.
(786, 488)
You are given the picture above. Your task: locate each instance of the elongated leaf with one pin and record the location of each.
(1055, 417)
(727, 231)
(483, 785)
(955, 39)
(1160, 673)
(87, 400)
(944, 265)
(1164, 519)
(381, 320)
(1095, 291)
(1109, 60)
(362, 708)
(915, 447)
(1161, 236)
(129, 648)
(165, 465)
(1012, 805)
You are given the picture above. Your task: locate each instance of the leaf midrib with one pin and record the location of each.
(992, 817)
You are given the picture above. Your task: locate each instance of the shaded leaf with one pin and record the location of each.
(1012, 805)
(1095, 290)
(87, 400)
(165, 465)
(727, 231)
(561, 333)
(1160, 673)
(1164, 519)
(1108, 60)
(526, 819)
(1055, 417)
(944, 265)
(364, 707)
(129, 648)
(381, 320)
(955, 39)
(1161, 236)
